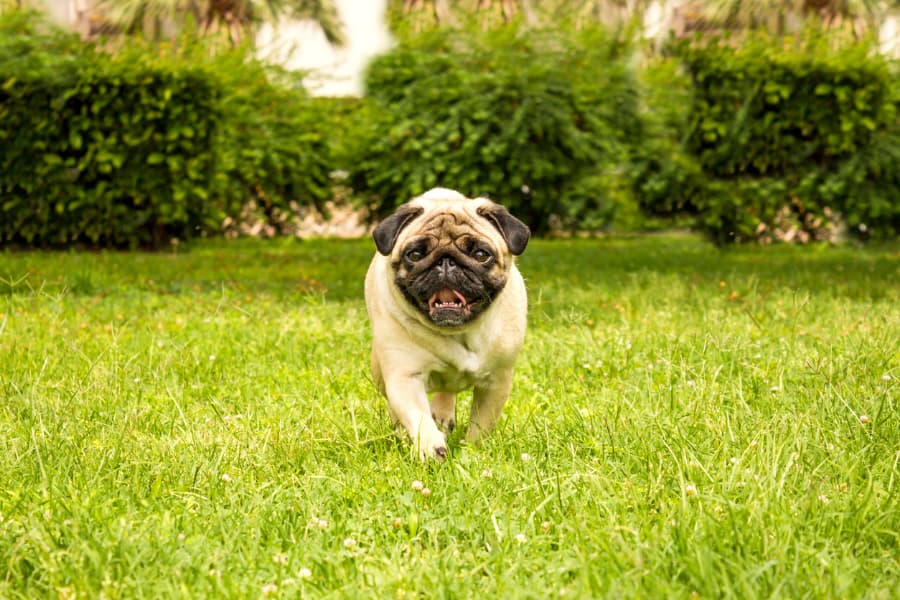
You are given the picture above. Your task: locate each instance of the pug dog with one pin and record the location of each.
(448, 309)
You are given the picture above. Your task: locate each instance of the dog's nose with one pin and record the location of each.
(445, 265)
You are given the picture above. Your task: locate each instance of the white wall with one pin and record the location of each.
(889, 36)
(336, 71)
(64, 12)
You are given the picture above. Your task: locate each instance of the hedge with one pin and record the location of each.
(274, 144)
(137, 147)
(150, 143)
(539, 120)
(804, 124)
(101, 151)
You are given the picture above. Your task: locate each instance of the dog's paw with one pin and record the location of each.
(443, 411)
(446, 425)
(432, 446)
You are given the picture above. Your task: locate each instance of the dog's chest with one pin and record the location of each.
(450, 380)
(455, 371)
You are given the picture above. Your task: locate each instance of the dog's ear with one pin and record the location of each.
(386, 232)
(515, 233)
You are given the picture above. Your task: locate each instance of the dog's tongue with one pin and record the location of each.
(448, 295)
(447, 298)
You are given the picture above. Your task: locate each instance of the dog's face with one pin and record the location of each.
(450, 255)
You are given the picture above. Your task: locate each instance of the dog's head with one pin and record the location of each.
(450, 255)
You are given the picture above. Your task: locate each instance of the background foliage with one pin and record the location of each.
(573, 127)
(100, 149)
(533, 118)
(146, 144)
(775, 128)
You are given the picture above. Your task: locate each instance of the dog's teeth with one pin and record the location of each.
(447, 304)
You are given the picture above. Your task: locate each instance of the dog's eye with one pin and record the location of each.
(414, 255)
(481, 255)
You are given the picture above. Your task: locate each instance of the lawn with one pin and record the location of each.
(685, 422)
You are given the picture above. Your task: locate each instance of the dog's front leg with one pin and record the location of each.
(487, 402)
(409, 404)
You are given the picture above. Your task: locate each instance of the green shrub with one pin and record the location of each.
(98, 150)
(667, 179)
(146, 144)
(806, 124)
(272, 145)
(538, 120)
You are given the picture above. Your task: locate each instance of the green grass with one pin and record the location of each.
(684, 422)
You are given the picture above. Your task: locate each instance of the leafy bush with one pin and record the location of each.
(667, 179)
(524, 116)
(99, 150)
(147, 144)
(771, 124)
(272, 145)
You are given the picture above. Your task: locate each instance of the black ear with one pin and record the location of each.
(515, 233)
(386, 232)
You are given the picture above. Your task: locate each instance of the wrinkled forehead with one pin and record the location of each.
(446, 228)
(443, 225)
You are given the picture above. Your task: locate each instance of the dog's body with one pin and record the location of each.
(448, 309)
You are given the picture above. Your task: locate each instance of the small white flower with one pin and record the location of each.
(270, 589)
(322, 523)
(864, 419)
(426, 492)
(226, 477)
(520, 538)
(525, 457)
(213, 357)
(280, 559)
(824, 499)
(487, 474)
(690, 489)
(734, 460)
(545, 526)
(775, 388)
(418, 485)
(288, 581)
(349, 543)
(886, 377)
(181, 537)
(213, 572)
(304, 573)
(137, 379)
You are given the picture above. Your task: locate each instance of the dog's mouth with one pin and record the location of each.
(446, 301)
